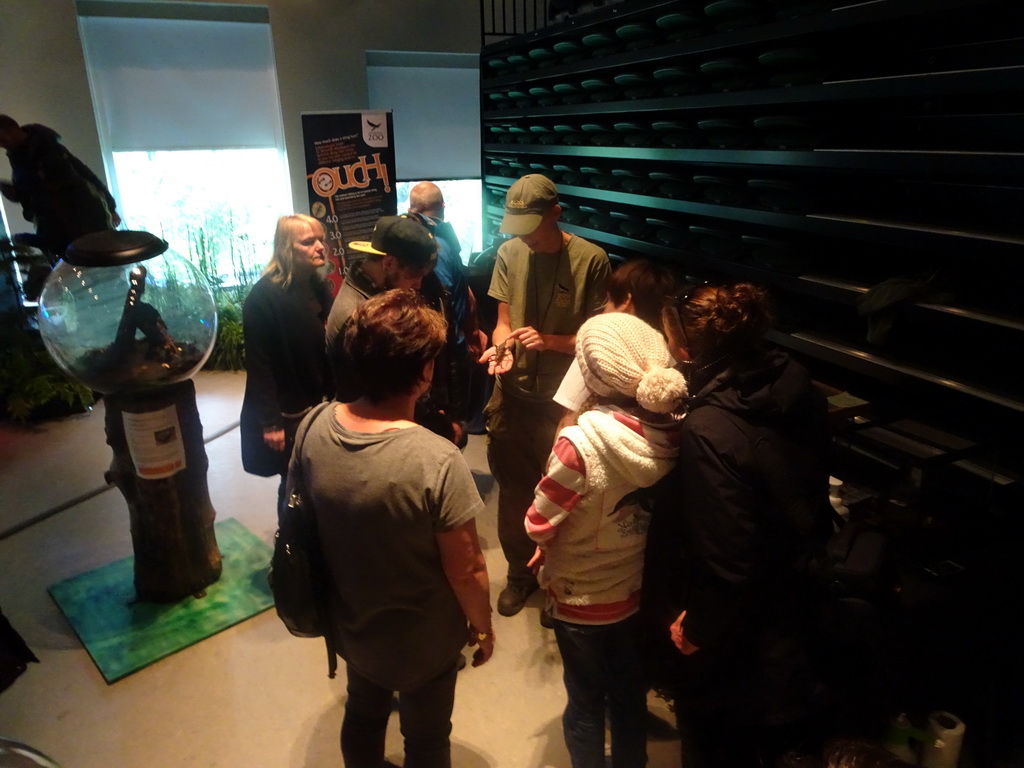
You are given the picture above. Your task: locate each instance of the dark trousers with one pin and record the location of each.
(603, 670)
(520, 434)
(721, 740)
(424, 714)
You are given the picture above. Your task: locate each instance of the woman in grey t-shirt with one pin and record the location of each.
(395, 505)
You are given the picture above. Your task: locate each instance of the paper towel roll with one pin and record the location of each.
(949, 729)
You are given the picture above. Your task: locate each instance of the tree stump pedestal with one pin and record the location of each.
(160, 467)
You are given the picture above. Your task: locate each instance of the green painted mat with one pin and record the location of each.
(123, 637)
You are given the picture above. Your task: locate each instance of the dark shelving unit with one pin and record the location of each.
(844, 157)
(818, 155)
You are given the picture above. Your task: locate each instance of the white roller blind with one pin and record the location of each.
(436, 118)
(167, 84)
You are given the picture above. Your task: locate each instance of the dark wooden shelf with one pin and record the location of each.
(843, 17)
(907, 448)
(890, 161)
(973, 82)
(850, 293)
(882, 368)
(917, 167)
(834, 225)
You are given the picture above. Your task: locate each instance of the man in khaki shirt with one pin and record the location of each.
(546, 282)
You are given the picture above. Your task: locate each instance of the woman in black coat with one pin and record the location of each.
(745, 508)
(283, 322)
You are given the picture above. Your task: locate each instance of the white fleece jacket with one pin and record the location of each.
(586, 517)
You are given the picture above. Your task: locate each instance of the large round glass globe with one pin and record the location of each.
(121, 312)
(14, 754)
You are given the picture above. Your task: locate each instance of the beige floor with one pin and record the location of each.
(253, 695)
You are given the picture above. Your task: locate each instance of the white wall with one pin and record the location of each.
(320, 47)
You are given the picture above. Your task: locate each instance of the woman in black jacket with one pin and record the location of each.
(744, 510)
(285, 355)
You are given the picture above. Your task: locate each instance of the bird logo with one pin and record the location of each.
(373, 125)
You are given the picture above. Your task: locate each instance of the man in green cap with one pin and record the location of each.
(546, 282)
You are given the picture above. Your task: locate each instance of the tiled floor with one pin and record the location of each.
(252, 695)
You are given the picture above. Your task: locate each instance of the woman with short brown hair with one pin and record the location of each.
(396, 508)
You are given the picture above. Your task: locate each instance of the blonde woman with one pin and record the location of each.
(283, 323)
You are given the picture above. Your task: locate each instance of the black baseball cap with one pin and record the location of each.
(402, 237)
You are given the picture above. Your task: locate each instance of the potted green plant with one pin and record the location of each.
(31, 384)
(229, 349)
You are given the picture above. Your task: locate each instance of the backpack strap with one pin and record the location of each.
(304, 425)
(296, 482)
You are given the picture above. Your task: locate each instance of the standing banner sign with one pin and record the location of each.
(350, 167)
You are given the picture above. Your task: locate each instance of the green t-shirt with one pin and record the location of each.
(553, 293)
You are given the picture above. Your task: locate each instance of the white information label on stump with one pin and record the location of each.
(154, 441)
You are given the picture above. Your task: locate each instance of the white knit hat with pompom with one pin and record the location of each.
(620, 354)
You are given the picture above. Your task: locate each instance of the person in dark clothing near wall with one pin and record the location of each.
(728, 593)
(467, 342)
(426, 202)
(283, 322)
(57, 191)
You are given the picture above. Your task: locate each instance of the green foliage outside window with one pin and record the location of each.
(229, 350)
(217, 208)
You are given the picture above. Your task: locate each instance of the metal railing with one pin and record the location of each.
(501, 19)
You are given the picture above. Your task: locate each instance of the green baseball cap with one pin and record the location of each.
(528, 199)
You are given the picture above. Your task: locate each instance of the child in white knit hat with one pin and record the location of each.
(591, 530)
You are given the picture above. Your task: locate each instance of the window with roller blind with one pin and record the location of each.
(435, 99)
(187, 106)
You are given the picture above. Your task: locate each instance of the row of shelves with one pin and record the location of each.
(933, 239)
(822, 155)
(596, 44)
(837, 289)
(974, 82)
(876, 363)
(942, 163)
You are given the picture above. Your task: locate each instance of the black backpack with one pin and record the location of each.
(852, 561)
(298, 574)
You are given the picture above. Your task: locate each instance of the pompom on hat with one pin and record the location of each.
(620, 354)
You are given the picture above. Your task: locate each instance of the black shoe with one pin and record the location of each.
(478, 426)
(513, 597)
(461, 663)
(546, 619)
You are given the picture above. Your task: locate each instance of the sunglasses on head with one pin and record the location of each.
(680, 300)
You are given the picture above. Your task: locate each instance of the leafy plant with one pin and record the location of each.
(229, 349)
(29, 378)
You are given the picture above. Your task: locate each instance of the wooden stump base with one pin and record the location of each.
(176, 553)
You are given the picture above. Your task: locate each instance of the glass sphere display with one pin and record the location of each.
(14, 754)
(121, 312)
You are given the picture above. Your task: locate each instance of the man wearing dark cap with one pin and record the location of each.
(399, 254)
(546, 282)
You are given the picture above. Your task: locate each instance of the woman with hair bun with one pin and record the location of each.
(744, 507)
(591, 530)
